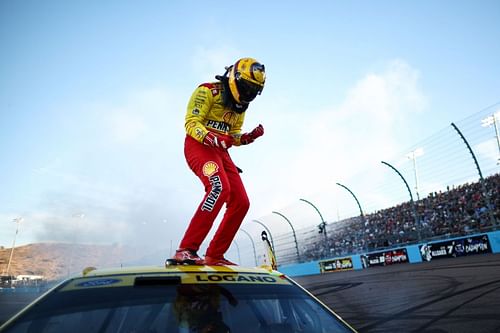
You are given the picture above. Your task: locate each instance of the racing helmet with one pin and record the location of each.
(246, 80)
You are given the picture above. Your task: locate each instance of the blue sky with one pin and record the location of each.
(93, 97)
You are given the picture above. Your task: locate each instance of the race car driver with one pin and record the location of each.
(213, 124)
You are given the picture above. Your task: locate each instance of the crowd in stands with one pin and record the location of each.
(461, 210)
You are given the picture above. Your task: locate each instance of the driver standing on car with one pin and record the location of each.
(213, 124)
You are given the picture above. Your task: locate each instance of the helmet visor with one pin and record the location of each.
(247, 90)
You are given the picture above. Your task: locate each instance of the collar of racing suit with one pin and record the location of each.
(227, 97)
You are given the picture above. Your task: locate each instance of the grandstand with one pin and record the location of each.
(459, 172)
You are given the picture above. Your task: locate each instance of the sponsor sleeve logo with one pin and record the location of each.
(199, 101)
(199, 132)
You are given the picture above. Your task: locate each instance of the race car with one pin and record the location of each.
(178, 299)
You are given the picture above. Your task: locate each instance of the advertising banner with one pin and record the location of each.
(455, 248)
(384, 258)
(336, 265)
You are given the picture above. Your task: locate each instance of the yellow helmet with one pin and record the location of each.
(246, 80)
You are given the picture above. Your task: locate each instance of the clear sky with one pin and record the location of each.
(93, 96)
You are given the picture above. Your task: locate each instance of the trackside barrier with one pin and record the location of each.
(495, 241)
(444, 248)
(307, 268)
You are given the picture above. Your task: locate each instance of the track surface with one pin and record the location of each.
(445, 295)
(11, 303)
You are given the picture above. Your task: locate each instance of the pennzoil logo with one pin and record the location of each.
(219, 125)
(214, 194)
(210, 168)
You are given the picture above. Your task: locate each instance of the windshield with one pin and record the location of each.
(241, 308)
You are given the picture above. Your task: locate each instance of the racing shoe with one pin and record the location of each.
(187, 257)
(211, 261)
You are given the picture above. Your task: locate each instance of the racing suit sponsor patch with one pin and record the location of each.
(214, 194)
(214, 88)
(219, 125)
(210, 168)
(199, 132)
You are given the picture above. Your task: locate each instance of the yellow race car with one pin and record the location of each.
(178, 299)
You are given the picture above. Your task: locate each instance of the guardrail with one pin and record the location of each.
(475, 244)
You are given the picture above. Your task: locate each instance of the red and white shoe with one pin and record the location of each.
(210, 261)
(189, 257)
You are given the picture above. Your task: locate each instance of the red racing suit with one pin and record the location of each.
(208, 112)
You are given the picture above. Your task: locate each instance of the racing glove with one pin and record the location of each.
(218, 140)
(254, 134)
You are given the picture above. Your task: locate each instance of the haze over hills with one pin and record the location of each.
(59, 260)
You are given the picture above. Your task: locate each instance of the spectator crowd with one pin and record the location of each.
(461, 210)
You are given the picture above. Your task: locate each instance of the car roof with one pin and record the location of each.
(186, 269)
(173, 275)
(166, 276)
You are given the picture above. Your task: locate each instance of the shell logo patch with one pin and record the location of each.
(210, 168)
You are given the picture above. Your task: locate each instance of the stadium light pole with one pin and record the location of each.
(413, 156)
(323, 223)
(267, 230)
(488, 122)
(17, 221)
(253, 245)
(481, 179)
(412, 203)
(293, 231)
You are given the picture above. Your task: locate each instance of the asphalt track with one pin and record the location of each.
(445, 295)
(11, 303)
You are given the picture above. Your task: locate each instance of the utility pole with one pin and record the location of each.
(17, 220)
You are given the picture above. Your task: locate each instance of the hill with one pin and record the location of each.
(59, 260)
